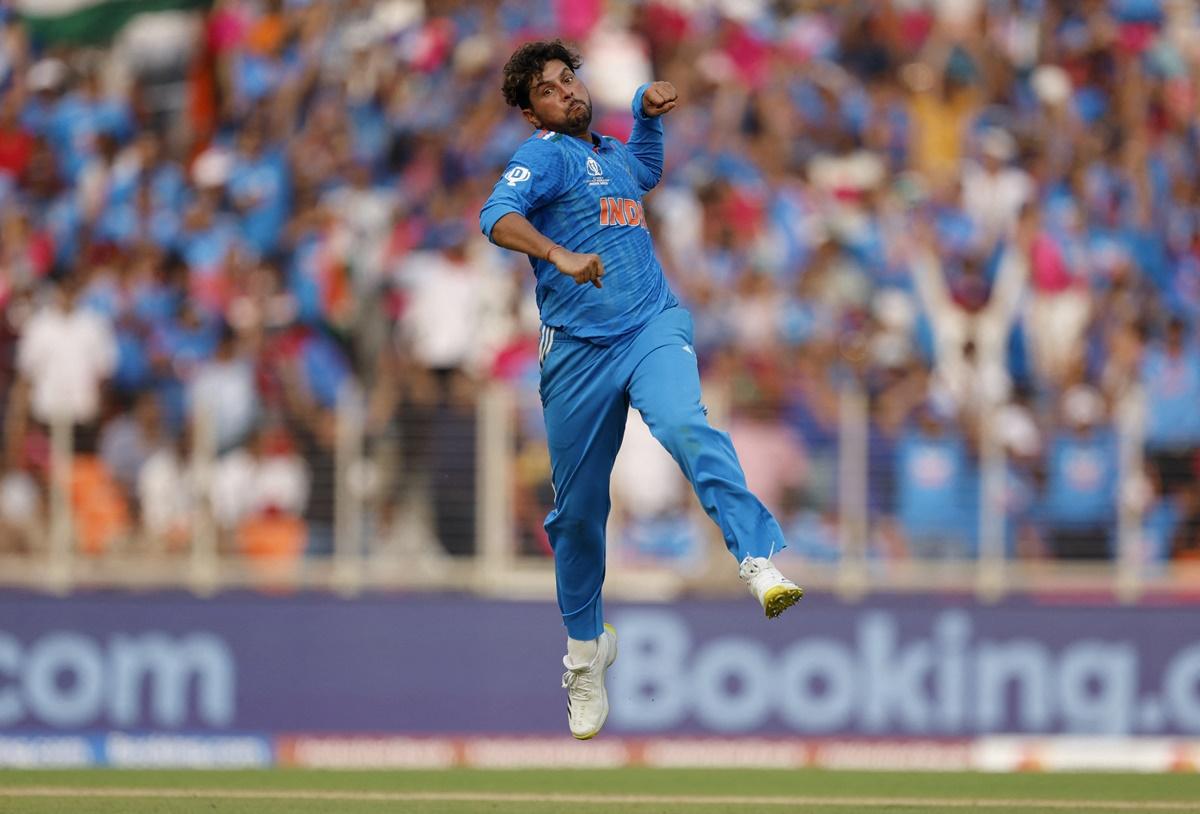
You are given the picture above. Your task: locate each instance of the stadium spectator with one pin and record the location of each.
(1060, 299)
(436, 283)
(100, 512)
(167, 496)
(934, 478)
(129, 440)
(994, 191)
(1171, 377)
(312, 422)
(1081, 480)
(223, 392)
(65, 353)
(258, 187)
(26, 254)
(20, 513)
(16, 142)
(971, 321)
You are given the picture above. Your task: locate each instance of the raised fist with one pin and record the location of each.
(659, 98)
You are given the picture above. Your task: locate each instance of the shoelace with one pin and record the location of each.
(752, 565)
(750, 568)
(577, 689)
(753, 570)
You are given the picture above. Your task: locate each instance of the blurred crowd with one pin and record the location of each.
(978, 218)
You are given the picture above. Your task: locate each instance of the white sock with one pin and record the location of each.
(581, 653)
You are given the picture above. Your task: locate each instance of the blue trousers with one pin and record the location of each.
(586, 391)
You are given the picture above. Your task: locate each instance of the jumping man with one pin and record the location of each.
(613, 334)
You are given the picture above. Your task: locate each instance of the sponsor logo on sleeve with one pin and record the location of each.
(517, 175)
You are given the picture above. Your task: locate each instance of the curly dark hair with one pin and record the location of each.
(525, 66)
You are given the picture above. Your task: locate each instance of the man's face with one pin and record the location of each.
(559, 101)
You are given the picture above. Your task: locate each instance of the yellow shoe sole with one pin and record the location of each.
(779, 599)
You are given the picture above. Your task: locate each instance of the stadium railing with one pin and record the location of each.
(383, 537)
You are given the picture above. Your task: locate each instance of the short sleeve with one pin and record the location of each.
(536, 174)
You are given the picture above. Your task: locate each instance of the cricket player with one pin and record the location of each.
(612, 335)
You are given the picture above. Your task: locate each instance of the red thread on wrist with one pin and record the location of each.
(550, 251)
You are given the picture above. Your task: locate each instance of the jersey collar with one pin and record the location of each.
(596, 139)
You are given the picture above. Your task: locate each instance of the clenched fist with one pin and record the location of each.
(582, 268)
(659, 98)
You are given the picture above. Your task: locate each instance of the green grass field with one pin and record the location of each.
(464, 791)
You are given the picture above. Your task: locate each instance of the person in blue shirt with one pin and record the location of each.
(613, 335)
(934, 479)
(258, 188)
(1081, 480)
(1171, 378)
(81, 116)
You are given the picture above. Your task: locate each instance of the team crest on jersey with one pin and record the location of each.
(595, 173)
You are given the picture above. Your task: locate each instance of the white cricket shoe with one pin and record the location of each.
(775, 592)
(587, 700)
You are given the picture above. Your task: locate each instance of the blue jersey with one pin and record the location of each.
(1081, 481)
(1172, 387)
(587, 197)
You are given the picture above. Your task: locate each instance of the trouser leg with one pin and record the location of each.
(665, 389)
(585, 422)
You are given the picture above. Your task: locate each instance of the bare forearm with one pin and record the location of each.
(514, 232)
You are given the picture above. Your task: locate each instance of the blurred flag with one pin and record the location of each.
(89, 21)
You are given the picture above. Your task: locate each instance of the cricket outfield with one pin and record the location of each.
(465, 791)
